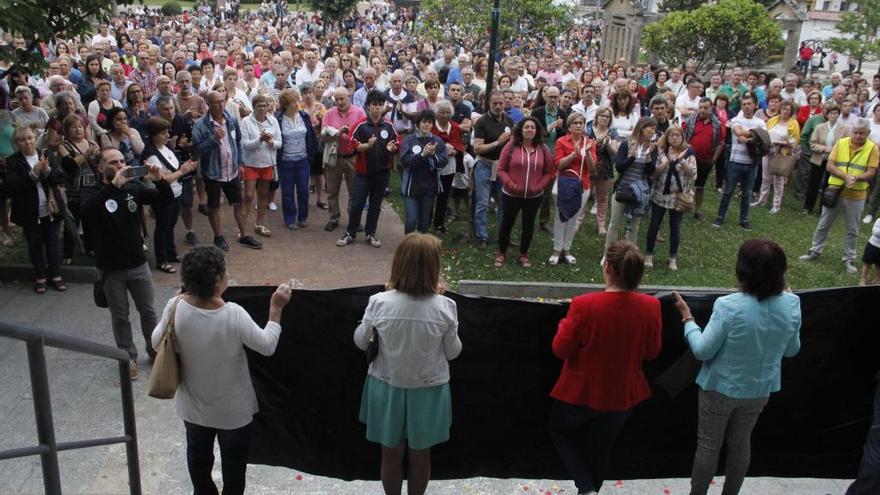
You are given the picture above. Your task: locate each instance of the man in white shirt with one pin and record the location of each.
(587, 106)
(520, 83)
(741, 167)
(311, 71)
(103, 36)
(675, 83)
(688, 103)
(793, 93)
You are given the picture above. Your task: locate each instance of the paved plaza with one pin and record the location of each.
(85, 390)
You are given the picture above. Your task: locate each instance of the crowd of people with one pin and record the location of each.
(154, 117)
(264, 101)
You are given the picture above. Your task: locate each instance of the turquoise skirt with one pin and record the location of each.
(422, 416)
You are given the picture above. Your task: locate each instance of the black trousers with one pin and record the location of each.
(442, 201)
(163, 237)
(583, 438)
(43, 249)
(200, 458)
(816, 181)
(512, 207)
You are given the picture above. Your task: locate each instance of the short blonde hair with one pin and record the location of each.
(288, 97)
(415, 269)
(21, 132)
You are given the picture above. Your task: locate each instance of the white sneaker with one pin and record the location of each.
(594, 210)
(868, 219)
(554, 260)
(673, 264)
(649, 261)
(774, 211)
(570, 259)
(273, 206)
(374, 241)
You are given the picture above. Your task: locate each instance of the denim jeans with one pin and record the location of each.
(418, 210)
(484, 187)
(294, 178)
(738, 173)
(657, 214)
(585, 456)
(868, 480)
(200, 458)
(366, 187)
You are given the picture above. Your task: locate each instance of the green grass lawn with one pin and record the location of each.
(706, 257)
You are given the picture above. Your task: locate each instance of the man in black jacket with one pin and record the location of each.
(552, 118)
(112, 207)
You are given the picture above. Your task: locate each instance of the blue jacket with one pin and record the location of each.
(744, 342)
(421, 174)
(311, 137)
(206, 148)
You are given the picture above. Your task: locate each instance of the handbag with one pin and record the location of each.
(831, 196)
(373, 345)
(781, 165)
(166, 369)
(625, 194)
(98, 290)
(684, 199)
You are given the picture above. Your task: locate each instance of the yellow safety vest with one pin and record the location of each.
(852, 165)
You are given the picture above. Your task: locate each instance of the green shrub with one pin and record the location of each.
(171, 8)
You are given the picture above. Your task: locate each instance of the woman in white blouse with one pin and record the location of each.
(215, 397)
(158, 154)
(260, 142)
(624, 115)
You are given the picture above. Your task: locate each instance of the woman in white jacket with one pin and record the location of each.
(260, 142)
(406, 402)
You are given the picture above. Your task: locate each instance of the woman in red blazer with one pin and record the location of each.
(603, 339)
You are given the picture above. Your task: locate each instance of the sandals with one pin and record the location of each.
(262, 230)
(524, 261)
(58, 284)
(40, 287)
(167, 268)
(499, 260)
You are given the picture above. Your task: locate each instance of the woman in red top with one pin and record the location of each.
(813, 107)
(525, 169)
(603, 339)
(575, 159)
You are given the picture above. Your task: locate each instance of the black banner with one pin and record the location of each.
(310, 390)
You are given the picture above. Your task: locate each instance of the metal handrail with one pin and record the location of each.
(48, 448)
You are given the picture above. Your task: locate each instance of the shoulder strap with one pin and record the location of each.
(169, 325)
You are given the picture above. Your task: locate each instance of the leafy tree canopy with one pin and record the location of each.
(333, 9)
(467, 19)
(39, 20)
(728, 32)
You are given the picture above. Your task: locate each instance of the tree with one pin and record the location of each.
(37, 21)
(333, 9)
(861, 27)
(461, 19)
(676, 5)
(727, 32)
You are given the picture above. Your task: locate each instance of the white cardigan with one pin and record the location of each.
(256, 153)
(215, 388)
(417, 338)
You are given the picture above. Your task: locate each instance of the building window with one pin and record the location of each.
(844, 6)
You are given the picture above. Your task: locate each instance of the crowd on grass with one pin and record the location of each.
(154, 119)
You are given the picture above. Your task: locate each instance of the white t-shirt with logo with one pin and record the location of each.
(176, 187)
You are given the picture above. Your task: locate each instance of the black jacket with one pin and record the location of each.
(113, 214)
(540, 114)
(22, 188)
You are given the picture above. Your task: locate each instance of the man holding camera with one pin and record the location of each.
(112, 208)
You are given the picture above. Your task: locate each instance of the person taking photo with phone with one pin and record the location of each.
(112, 209)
